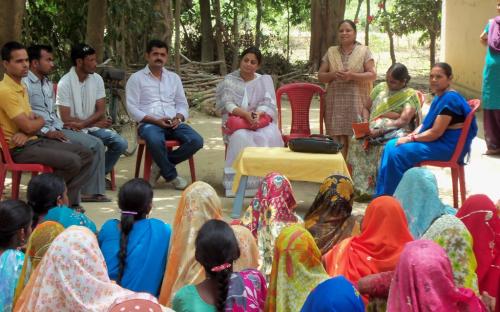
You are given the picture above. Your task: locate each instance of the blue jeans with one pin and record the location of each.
(155, 137)
(115, 146)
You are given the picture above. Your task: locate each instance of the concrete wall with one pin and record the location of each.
(462, 23)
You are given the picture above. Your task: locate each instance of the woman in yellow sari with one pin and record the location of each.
(199, 203)
(392, 111)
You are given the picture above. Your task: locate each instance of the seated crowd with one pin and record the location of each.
(408, 252)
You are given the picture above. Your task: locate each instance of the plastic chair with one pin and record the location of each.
(148, 160)
(457, 169)
(7, 164)
(300, 96)
(421, 97)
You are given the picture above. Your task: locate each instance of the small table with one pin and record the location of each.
(259, 161)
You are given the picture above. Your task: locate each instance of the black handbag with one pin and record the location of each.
(315, 144)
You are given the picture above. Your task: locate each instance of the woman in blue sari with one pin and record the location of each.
(135, 248)
(435, 139)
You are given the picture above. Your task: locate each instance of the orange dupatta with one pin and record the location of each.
(384, 233)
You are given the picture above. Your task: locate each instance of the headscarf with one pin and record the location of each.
(329, 219)
(418, 193)
(494, 35)
(424, 282)
(297, 269)
(383, 234)
(38, 244)
(482, 219)
(451, 234)
(247, 292)
(249, 252)
(346, 297)
(270, 211)
(199, 203)
(72, 276)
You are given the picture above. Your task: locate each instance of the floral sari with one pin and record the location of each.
(199, 203)
(272, 209)
(249, 251)
(329, 219)
(296, 271)
(247, 292)
(11, 264)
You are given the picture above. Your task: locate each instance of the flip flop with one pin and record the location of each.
(96, 198)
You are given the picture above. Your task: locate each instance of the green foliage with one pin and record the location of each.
(409, 16)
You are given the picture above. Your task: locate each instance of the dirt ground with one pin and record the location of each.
(482, 174)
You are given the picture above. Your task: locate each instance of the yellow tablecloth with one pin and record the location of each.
(259, 161)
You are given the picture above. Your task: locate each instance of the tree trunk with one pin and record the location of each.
(258, 31)
(236, 36)
(177, 35)
(218, 37)
(167, 21)
(207, 35)
(325, 16)
(432, 47)
(390, 34)
(96, 22)
(11, 22)
(358, 8)
(367, 25)
(288, 31)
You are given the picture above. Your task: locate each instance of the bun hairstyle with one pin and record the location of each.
(14, 216)
(43, 192)
(445, 67)
(399, 72)
(134, 200)
(216, 250)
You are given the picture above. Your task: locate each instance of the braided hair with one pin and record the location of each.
(134, 199)
(216, 250)
(14, 216)
(44, 191)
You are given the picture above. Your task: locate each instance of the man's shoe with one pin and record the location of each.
(155, 174)
(179, 183)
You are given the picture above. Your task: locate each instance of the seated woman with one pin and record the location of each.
(247, 102)
(329, 219)
(48, 197)
(482, 219)
(199, 203)
(15, 229)
(72, 276)
(418, 194)
(222, 290)
(393, 110)
(296, 271)
(272, 209)
(424, 282)
(377, 248)
(38, 244)
(135, 247)
(249, 251)
(435, 139)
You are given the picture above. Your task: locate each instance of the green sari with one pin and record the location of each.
(364, 155)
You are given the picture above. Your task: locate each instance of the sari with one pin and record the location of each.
(11, 264)
(38, 244)
(329, 219)
(272, 209)
(424, 282)
(346, 297)
(247, 292)
(418, 193)
(482, 219)
(364, 155)
(377, 248)
(296, 271)
(199, 203)
(249, 251)
(147, 250)
(72, 276)
(68, 217)
(451, 234)
(396, 160)
(142, 302)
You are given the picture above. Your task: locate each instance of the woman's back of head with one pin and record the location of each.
(15, 223)
(44, 192)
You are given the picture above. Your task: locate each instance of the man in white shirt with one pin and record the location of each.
(81, 99)
(155, 99)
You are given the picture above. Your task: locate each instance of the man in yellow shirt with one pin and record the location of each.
(20, 127)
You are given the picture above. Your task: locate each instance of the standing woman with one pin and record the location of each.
(491, 80)
(349, 70)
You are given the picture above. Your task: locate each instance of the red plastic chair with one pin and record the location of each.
(7, 164)
(457, 169)
(148, 160)
(300, 96)
(421, 97)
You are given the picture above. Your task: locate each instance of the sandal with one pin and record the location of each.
(96, 198)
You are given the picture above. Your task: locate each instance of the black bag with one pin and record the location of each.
(315, 144)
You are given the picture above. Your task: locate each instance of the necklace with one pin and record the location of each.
(346, 52)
